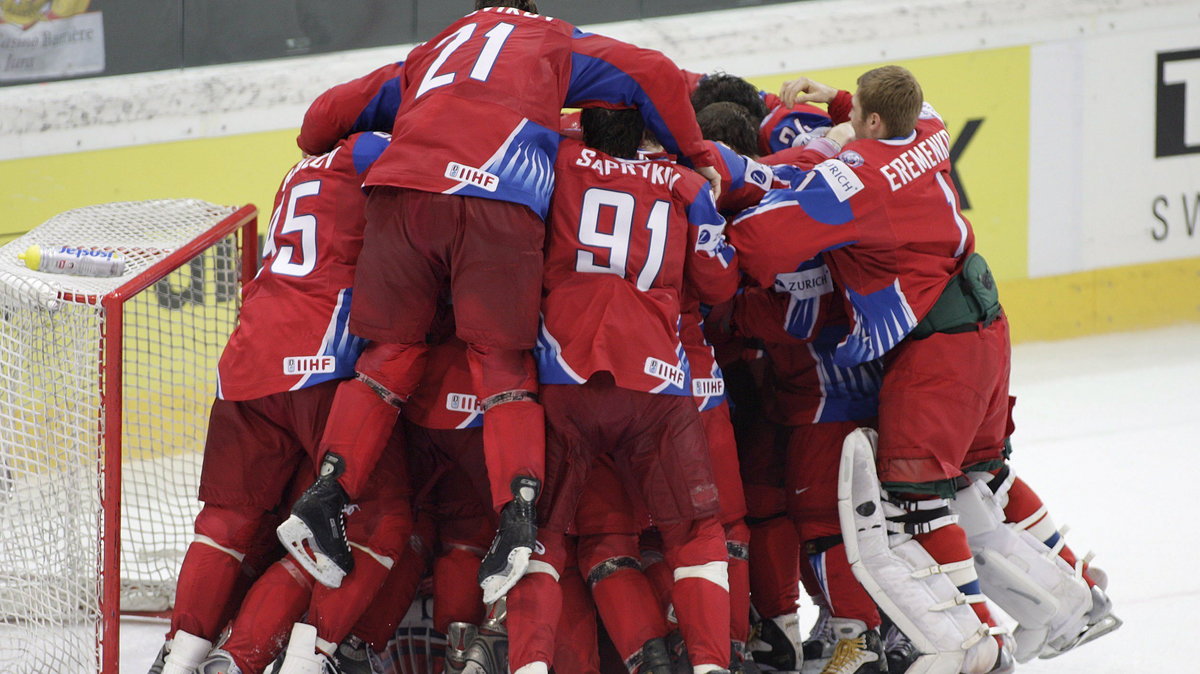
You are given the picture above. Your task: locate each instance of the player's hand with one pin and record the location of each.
(710, 174)
(841, 133)
(804, 90)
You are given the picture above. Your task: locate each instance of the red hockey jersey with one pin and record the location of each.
(624, 238)
(293, 331)
(887, 213)
(480, 104)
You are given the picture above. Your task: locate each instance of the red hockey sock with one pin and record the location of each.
(844, 594)
(630, 610)
(377, 624)
(948, 545)
(334, 611)
(655, 567)
(1026, 509)
(514, 444)
(357, 429)
(457, 595)
(697, 555)
(207, 582)
(737, 544)
(576, 648)
(534, 606)
(277, 600)
(774, 567)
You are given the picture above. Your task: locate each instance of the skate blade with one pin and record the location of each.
(1108, 623)
(293, 534)
(496, 586)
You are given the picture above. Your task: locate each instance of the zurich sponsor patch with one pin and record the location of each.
(709, 237)
(852, 158)
(805, 284)
(758, 175)
(840, 178)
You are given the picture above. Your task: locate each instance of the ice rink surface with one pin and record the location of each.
(1106, 433)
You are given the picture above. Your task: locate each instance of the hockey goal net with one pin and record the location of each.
(105, 387)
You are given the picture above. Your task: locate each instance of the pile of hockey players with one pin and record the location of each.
(602, 390)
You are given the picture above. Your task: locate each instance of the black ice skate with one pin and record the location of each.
(315, 534)
(508, 558)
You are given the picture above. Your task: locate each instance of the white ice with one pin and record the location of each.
(1106, 430)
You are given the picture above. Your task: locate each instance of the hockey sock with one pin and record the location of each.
(655, 567)
(948, 545)
(631, 613)
(774, 567)
(358, 428)
(1025, 508)
(514, 444)
(697, 555)
(457, 597)
(377, 624)
(737, 536)
(514, 429)
(576, 648)
(207, 581)
(534, 606)
(335, 610)
(277, 600)
(844, 595)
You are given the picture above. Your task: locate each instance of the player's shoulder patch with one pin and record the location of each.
(927, 112)
(841, 178)
(852, 158)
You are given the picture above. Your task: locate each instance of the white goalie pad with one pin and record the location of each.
(901, 576)
(299, 542)
(1035, 586)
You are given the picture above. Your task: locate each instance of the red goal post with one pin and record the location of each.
(105, 386)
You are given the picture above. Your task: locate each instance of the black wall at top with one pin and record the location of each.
(147, 35)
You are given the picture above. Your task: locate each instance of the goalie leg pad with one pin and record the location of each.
(902, 577)
(1034, 586)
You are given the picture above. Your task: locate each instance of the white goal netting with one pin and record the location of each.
(150, 338)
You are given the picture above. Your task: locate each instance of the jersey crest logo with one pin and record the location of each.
(472, 176)
(852, 158)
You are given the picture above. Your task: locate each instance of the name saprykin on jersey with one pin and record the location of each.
(657, 172)
(462, 402)
(665, 371)
(309, 364)
(915, 161)
(805, 284)
(472, 176)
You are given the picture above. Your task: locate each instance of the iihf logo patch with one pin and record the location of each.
(852, 158)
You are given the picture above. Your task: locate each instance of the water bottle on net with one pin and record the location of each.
(73, 260)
